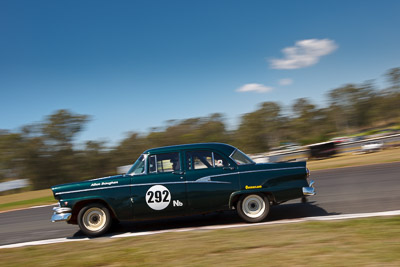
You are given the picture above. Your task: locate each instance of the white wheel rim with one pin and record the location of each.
(94, 219)
(253, 206)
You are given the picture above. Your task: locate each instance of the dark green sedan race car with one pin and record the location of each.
(182, 180)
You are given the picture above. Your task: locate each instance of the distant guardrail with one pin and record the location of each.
(303, 152)
(14, 184)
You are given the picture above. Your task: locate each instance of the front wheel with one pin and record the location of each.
(253, 208)
(94, 219)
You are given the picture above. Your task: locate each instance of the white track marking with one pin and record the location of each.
(213, 227)
(41, 206)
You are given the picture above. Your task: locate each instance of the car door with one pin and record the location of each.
(161, 191)
(211, 178)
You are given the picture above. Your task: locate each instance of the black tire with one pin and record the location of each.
(253, 207)
(94, 219)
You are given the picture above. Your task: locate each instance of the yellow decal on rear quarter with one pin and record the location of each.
(253, 186)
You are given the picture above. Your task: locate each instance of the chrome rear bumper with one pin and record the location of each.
(61, 214)
(309, 190)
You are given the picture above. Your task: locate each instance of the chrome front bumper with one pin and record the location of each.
(309, 190)
(61, 214)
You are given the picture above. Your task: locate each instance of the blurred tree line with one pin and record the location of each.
(45, 153)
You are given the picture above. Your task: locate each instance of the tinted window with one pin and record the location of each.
(164, 163)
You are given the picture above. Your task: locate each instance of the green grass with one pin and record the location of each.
(361, 242)
(27, 203)
(26, 199)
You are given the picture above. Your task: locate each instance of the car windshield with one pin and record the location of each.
(138, 166)
(240, 158)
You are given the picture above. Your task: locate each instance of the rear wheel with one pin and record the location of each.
(253, 208)
(94, 219)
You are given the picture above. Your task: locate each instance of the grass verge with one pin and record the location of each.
(353, 159)
(361, 242)
(26, 199)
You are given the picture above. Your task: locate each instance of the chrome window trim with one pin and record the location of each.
(155, 164)
(146, 156)
(233, 152)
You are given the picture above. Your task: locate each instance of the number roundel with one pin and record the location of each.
(158, 197)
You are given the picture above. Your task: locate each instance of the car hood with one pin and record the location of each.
(109, 180)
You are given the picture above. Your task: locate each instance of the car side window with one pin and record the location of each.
(219, 161)
(161, 163)
(138, 167)
(196, 160)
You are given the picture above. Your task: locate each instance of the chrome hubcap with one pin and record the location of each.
(253, 206)
(94, 219)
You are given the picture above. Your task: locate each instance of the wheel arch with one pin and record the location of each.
(235, 196)
(81, 204)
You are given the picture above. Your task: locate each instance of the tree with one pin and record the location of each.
(129, 149)
(304, 120)
(351, 105)
(48, 155)
(95, 160)
(60, 128)
(260, 130)
(393, 77)
(390, 100)
(10, 155)
(193, 130)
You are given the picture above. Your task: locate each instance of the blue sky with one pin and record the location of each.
(132, 65)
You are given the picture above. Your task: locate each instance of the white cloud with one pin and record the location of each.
(254, 87)
(305, 53)
(285, 82)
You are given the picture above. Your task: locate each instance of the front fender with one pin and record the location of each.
(75, 204)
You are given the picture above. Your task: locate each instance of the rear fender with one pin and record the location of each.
(235, 196)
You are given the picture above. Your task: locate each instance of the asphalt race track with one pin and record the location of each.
(364, 189)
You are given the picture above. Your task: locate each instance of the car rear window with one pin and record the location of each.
(240, 158)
